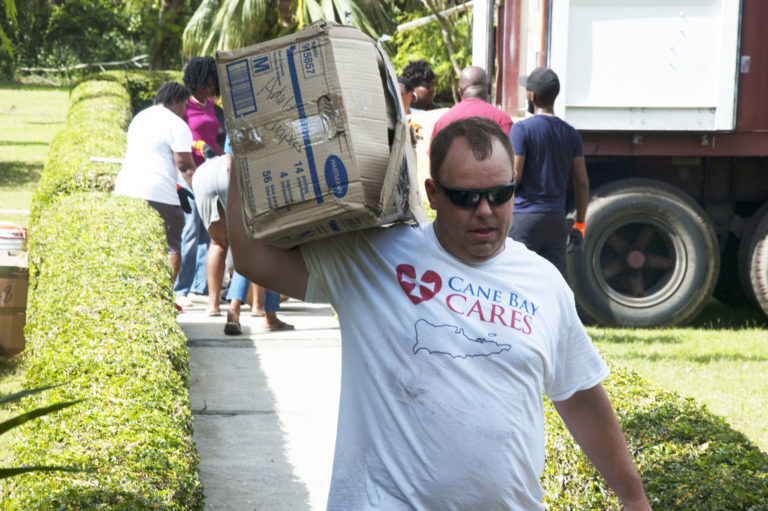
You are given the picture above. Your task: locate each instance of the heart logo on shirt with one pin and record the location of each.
(418, 290)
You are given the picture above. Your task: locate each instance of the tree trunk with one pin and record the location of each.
(165, 48)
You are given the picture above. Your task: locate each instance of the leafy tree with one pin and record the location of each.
(229, 24)
(446, 59)
(6, 47)
(90, 31)
(60, 33)
(165, 48)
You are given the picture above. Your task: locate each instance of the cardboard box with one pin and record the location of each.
(14, 281)
(319, 135)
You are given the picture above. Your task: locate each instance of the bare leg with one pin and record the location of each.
(215, 262)
(271, 303)
(233, 313)
(258, 300)
(175, 262)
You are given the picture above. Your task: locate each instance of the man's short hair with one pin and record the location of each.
(544, 84)
(479, 133)
(419, 72)
(170, 93)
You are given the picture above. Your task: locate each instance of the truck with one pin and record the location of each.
(671, 100)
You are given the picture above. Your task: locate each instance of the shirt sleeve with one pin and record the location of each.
(578, 365)
(327, 261)
(517, 134)
(181, 137)
(578, 146)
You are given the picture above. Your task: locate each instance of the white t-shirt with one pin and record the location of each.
(443, 368)
(149, 171)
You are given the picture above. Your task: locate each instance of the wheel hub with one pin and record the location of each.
(635, 259)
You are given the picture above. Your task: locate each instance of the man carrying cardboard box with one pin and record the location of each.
(450, 333)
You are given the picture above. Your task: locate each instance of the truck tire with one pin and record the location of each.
(729, 290)
(650, 257)
(753, 259)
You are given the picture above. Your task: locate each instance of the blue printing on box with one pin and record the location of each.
(310, 54)
(240, 88)
(304, 125)
(336, 176)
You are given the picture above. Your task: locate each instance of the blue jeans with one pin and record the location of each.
(238, 290)
(194, 249)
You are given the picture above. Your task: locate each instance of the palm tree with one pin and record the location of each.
(10, 12)
(230, 24)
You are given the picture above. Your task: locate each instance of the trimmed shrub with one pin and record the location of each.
(101, 108)
(98, 117)
(101, 320)
(143, 85)
(688, 458)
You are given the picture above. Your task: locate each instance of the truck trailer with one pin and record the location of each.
(671, 100)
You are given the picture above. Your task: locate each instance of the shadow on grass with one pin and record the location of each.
(688, 358)
(25, 142)
(717, 316)
(16, 173)
(9, 366)
(617, 337)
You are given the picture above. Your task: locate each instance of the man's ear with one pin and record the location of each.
(431, 189)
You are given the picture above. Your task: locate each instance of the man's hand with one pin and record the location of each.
(576, 236)
(184, 197)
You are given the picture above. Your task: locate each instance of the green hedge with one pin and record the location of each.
(101, 107)
(98, 117)
(688, 458)
(100, 320)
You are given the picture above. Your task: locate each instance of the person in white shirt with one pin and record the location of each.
(159, 147)
(450, 332)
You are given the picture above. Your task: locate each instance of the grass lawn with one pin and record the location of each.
(29, 119)
(721, 360)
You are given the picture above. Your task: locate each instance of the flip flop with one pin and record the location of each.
(281, 326)
(258, 313)
(213, 314)
(232, 328)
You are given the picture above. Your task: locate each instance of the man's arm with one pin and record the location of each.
(278, 269)
(186, 165)
(593, 424)
(580, 187)
(518, 163)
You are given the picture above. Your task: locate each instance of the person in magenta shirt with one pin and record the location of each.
(201, 78)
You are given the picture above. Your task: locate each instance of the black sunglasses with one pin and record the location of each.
(469, 198)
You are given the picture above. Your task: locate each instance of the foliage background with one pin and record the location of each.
(63, 33)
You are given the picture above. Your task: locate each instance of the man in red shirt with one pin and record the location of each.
(474, 89)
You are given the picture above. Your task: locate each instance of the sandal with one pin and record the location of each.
(282, 325)
(232, 328)
(258, 313)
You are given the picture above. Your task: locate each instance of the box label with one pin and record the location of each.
(241, 88)
(304, 124)
(312, 60)
(336, 176)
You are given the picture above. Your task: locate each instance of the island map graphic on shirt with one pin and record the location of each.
(490, 308)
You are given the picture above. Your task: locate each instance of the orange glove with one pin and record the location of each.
(203, 149)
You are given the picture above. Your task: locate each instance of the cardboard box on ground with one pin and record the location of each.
(14, 281)
(319, 136)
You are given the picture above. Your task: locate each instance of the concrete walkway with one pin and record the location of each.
(264, 406)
